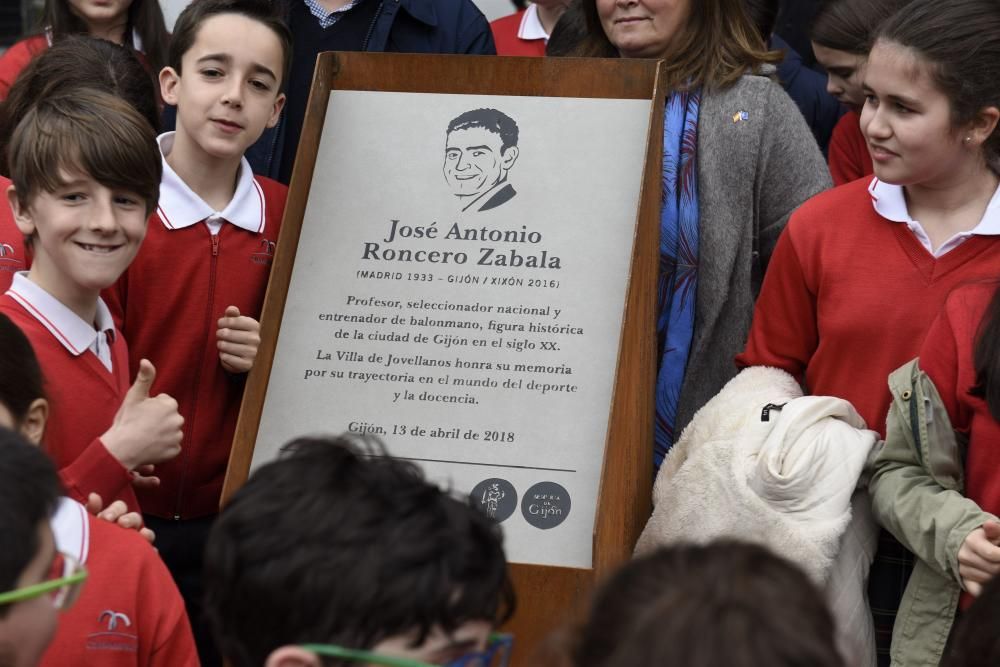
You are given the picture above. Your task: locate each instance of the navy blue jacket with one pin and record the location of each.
(807, 88)
(401, 26)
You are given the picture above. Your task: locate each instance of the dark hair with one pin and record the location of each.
(268, 12)
(727, 603)
(961, 41)
(29, 491)
(20, 375)
(490, 120)
(763, 14)
(568, 32)
(333, 544)
(850, 25)
(717, 45)
(91, 131)
(976, 642)
(144, 17)
(78, 61)
(986, 357)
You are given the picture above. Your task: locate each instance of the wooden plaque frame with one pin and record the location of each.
(547, 596)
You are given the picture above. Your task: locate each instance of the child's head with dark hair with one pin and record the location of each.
(726, 603)
(228, 64)
(955, 46)
(115, 20)
(850, 25)
(976, 639)
(265, 12)
(22, 394)
(86, 173)
(84, 133)
(334, 545)
(29, 491)
(842, 35)
(78, 61)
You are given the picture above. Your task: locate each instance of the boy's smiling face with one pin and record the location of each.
(84, 236)
(227, 92)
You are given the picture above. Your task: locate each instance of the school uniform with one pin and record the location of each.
(129, 613)
(13, 254)
(16, 58)
(86, 379)
(849, 295)
(520, 34)
(852, 288)
(192, 265)
(848, 156)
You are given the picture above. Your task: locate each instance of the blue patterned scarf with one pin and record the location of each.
(678, 283)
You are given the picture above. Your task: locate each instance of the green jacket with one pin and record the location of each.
(917, 495)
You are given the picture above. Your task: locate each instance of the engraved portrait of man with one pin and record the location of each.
(480, 149)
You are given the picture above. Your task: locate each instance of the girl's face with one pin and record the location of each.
(844, 72)
(100, 13)
(907, 121)
(643, 28)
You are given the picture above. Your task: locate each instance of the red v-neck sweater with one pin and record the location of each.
(849, 296)
(84, 397)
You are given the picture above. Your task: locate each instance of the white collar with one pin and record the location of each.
(531, 25)
(71, 529)
(890, 202)
(181, 207)
(75, 334)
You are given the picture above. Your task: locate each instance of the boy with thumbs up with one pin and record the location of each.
(85, 173)
(191, 300)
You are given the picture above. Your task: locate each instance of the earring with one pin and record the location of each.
(968, 139)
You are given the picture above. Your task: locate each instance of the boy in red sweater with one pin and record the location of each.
(84, 174)
(191, 299)
(29, 493)
(129, 613)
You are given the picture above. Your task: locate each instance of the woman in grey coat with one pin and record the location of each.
(738, 158)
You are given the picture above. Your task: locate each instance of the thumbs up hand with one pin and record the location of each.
(146, 429)
(238, 339)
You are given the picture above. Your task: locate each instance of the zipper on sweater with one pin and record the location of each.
(196, 385)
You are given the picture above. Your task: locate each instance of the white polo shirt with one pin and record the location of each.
(181, 207)
(890, 202)
(74, 333)
(531, 25)
(71, 529)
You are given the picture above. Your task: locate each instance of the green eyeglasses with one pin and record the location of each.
(63, 584)
(496, 654)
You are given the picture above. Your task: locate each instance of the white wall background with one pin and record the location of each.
(491, 8)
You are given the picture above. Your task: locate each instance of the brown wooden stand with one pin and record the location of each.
(547, 596)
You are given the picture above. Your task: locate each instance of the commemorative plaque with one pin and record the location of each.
(466, 270)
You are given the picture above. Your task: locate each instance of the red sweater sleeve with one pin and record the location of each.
(95, 470)
(784, 332)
